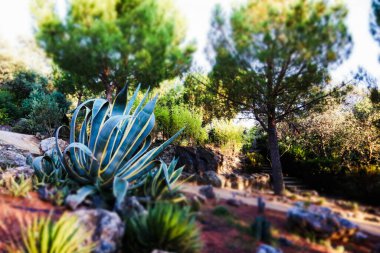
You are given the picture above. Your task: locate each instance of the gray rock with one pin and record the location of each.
(264, 248)
(49, 144)
(247, 182)
(234, 202)
(210, 177)
(197, 159)
(107, 227)
(11, 158)
(321, 221)
(360, 237)
(207, 191)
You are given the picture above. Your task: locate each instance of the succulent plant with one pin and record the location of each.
(160, 183)
(261, 229)
(166, 226)
(108, 149)
(64, 235)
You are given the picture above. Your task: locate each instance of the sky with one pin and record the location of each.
(16, 21)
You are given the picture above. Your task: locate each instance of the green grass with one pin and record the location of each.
(221, 211)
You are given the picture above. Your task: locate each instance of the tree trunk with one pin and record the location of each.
(278, 181)
(79, 98)
(109, 91)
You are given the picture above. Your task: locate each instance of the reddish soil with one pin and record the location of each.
(227, 234)
(230, 234)
(16, 212)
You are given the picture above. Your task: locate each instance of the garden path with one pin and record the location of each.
(274, 204)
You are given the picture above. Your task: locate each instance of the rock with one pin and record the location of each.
(311, 193)
(197, 159)
(207, 191)
(321, 221)
(23, 143)
(246, 182)
(210, 177)
(130, 207)
(234, 202)
(49, 143)
(264, 248)
(359, 237)
(5, 128)
(168, 154)
(41, 136)
(11, 158)
(107, 227)
(16, 172)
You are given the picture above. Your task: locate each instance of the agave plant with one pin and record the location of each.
(49, 169)
(109, 146)
(64, 235)
(160, 183)
(166, 227)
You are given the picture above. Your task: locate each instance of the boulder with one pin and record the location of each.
(211, 178)
(49, 143)
(207, 191)
(16, 155)
(324, 223)
(197, 159)
(234, 202)
(107, 227)
(21, 142)
(11, 158)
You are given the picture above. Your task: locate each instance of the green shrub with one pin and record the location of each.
(24, 83)
(226, 134)
(44, 112)
(172, 118)
(256, 159)
(27, 96)
(221, 211)
(9, 111)
(164, 227)
(24, 126)
(4, 117)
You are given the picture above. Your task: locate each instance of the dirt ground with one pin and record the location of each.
(231, 234)
(15, 213)
(226, 234)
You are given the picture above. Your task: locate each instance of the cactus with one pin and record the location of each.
(261, 229)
